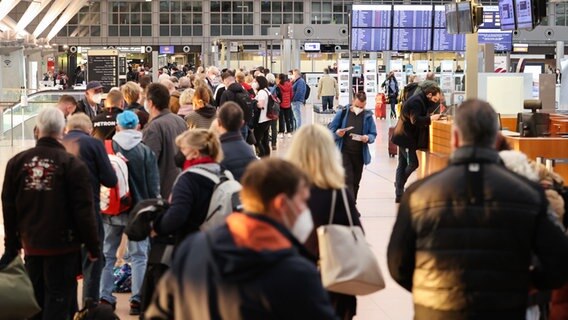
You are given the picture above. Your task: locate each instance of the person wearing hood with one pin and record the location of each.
(144, 183)
(92, 153)
(131, 93)
(354, 129)
(254, 265)
(91, 104)
(104, 124)
(203, 113)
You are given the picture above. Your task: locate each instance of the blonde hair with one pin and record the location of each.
(249, 78)
(131, 91)
(201, 97)
(314, 151)
(240, 77)
(203, 140)
(79, 121)
(186, 96)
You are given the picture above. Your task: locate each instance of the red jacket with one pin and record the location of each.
(285, 94)
(248, 89)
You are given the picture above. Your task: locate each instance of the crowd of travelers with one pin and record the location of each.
(217, 228)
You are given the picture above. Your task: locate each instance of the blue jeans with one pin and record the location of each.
(407, 164)
(92, 269)
(326, 103)
(137, 251)
(297, 109)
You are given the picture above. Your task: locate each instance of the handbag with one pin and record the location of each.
(347, 264)
(17, 299)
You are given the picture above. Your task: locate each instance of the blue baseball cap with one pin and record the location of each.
(127, 120)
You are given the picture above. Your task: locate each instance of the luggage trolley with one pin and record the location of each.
(322, 117)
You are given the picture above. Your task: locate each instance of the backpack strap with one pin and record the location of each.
(205, 173)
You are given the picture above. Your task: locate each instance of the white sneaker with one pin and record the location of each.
(281, 136)
(288, 135)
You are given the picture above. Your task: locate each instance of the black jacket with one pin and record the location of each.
(230, 93)
(47, 202)
(142, 114)
(232, 274)
(189, 204)
(93, 153)
(83, 106)
(104, 124)
(237, 154)
(463, 240)
(411, 130)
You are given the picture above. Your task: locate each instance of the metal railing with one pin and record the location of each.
(18, 111)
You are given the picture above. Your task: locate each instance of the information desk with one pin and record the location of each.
(547, 147)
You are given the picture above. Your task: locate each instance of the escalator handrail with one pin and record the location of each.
(42, 92)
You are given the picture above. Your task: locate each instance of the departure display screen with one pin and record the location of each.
(524, 14)
(371, 40)
(411, 39)
(412, 16)
(443, 41)
(371, 16)
(502, 40)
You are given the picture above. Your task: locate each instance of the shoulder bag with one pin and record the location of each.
(347, 264)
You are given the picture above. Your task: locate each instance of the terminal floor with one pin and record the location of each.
(376, 204)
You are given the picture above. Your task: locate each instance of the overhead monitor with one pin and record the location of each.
(502, 40)
(412, 16)
(370, 40)
(166, 49)
(371, 16)
(312, 47)
(411, 39)
(524, 14)
(452, 18)
(507, 14)
(465, 17)
(491, 18)
(439, 16)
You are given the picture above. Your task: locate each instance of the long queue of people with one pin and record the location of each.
(468, 242)
(67, 183)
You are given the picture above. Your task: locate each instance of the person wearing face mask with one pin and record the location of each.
(91, 104)
(104, 124)
(412, 133)
(354, 129)
(322, 163)
(191, 192)
(254, 263)
(212, 78)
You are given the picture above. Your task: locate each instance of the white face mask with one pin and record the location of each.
(255, 85)
(357, 110)
(97, 98)
(146, 106)
(303, 226)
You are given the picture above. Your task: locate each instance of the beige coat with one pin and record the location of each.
(327, 86)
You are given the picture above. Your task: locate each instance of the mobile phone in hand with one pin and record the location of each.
(347, 129)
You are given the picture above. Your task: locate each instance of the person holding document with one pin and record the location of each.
(412, 133)
(354, 129)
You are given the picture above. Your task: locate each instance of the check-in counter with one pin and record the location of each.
(553, 147)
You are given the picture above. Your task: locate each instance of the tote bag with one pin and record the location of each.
(17, 299)
(347, 264)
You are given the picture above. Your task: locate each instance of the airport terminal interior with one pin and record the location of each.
(510, 53)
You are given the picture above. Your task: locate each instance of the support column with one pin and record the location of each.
(286, 55)
(559, 53)
(387, 60)
(155, 66)
(471, 51)
(295, 55)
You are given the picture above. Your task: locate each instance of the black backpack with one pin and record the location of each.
(308, 91)
(273, 108)
(244, 100)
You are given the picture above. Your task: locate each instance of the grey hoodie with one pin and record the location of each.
(128, 139)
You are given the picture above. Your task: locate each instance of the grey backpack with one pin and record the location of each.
(225, 198)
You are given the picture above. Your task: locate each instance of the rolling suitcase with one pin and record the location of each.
(393, 148)
(380, 106)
